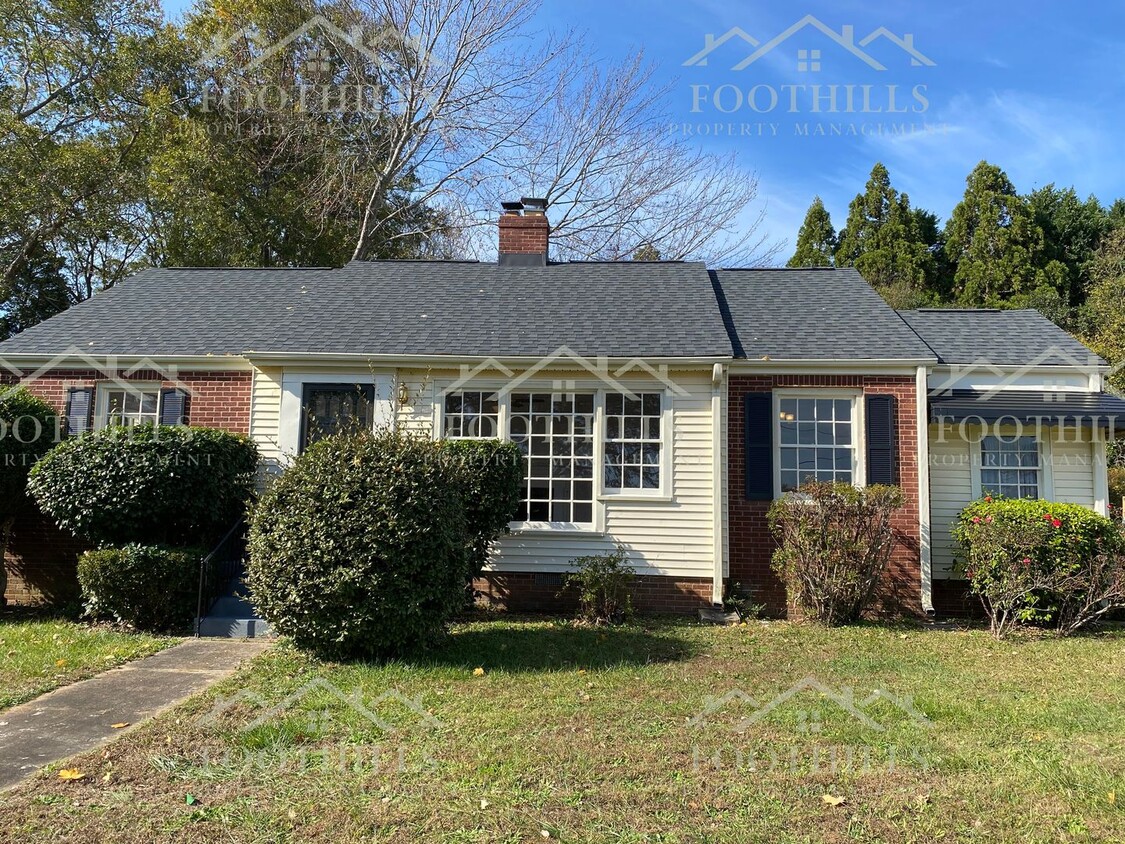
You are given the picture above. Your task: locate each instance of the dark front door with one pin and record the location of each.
(335, 409)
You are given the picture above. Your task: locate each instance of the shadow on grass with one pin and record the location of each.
(17, 614)
(541, 645)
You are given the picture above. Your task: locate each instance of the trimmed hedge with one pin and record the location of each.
(491, 477)
(150, 484)
(360, 549)
(1033, 560)
(152, 587)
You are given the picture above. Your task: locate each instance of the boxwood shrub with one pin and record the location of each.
(152, 587)
(1040, 561)
(491, 478)
(150, 484)
(360, 549)
(29, 427)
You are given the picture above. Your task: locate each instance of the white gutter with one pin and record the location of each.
(718, 475)
(452, 361)
(925, 538)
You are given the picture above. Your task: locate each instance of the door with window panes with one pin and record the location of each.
(329, 409)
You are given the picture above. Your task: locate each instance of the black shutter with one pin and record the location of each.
(173, 407)
(880, 439)
(79, 410)
(758, 446)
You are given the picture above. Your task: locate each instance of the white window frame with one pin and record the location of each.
(858, 421)
(663, 492)
(1046, 461)
(598, 389)
(104, 388)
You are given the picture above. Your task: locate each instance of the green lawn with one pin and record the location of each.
(594, 735)
(40, 652)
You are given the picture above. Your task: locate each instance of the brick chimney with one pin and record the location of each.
(524, 233)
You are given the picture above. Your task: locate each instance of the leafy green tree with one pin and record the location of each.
(38, 290)
(882, 238)
(816, 241)
(993, 242)
(1106, 302)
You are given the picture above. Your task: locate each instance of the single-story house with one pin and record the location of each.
(660, 405)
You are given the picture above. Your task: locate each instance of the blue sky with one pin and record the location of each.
(1037, 89)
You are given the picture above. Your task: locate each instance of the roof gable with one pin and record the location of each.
(812, 314)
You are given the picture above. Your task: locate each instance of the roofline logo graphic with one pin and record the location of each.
(843, 698)
(355, 702)
(239, 91)
(492, 369)
(1009, 377)
(810, 60)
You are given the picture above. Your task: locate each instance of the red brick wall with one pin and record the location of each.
(41, 558)
(524, 235)
(525, 591)
(751, 545)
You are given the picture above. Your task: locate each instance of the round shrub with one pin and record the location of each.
(29, 427)
(491, 477)
(152, 587)
(168, 485)
(834, 542)
(1037, 560)
(360, 548)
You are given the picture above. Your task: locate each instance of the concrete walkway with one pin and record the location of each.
(77, 717)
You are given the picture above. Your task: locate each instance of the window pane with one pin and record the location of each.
(815, 440)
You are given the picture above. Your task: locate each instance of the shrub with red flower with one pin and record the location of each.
(1038, 561)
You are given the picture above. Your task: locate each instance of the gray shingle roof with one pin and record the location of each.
(398, 308)
(813, 314)
(1001, 338)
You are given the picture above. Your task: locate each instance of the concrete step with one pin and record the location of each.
(233, 606)
(226, 627)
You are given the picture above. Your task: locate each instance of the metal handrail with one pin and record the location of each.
(204, 568)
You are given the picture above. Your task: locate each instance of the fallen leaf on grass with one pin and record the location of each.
(478, 672)
(71, 774)
(59, 663)
(120, 725)
(833, 800)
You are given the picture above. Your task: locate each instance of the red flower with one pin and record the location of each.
(976, 520)
(988, 518)
(1027, 561)
(1056, 523)
(1047, 517)
(988, 498)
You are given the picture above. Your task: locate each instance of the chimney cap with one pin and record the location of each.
(512, 207)
(534, 204)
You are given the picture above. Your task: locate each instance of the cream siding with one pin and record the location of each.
(951, 488)
(1068, 476)
(673, 537)
(265, 416)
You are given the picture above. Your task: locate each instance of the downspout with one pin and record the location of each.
(718, 475)
(925, 549)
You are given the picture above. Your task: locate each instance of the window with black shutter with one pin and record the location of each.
(880, 413)
(758, 446)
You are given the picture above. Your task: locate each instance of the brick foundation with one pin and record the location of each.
(752, 545)
(538, 592)
(41, 558)
(952, 599)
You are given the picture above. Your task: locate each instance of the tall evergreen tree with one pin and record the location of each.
(1072, 230)
(816, 241)
(883, 239)
(993, 241)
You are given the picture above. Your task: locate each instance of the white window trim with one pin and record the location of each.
(660, 493)
(102, 389)
(293, 396)
(859, 429)
(1046, 456)
(602, 497)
